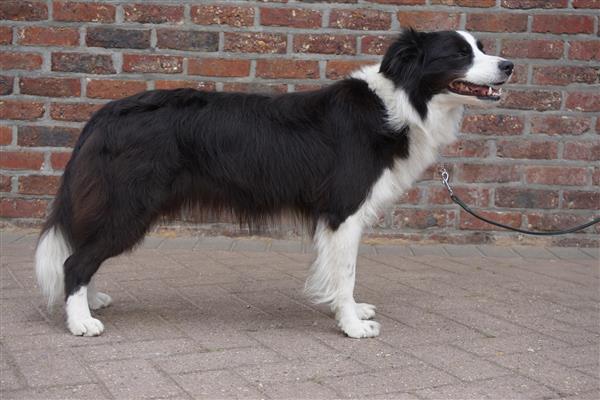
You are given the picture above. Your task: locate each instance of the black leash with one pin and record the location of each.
(457, 200)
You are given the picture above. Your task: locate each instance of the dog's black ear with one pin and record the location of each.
(403, 61)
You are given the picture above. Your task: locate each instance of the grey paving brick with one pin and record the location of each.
(394, 250)
(462, 250)
(574, 356)
(503, 387)
(533, 252)
(253, 245)
(134, 379)
(219, 359)
(145, 350)
(456, 362)
(428, 250)
(286, 246)
(486, 347)
(295, 390)
(50, 367)
(417, 377)
(74, 392)
(214, 243)
(10, 379)
(497, 251)
(592, 252)
(182, 243)
(541, 369)
(569, 253)
(152, 242)
(217, 385)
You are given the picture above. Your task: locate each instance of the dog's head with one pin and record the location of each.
(452, 64)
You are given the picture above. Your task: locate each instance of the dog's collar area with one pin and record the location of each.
(485, 92)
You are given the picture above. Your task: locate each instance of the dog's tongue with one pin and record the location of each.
(472, 89)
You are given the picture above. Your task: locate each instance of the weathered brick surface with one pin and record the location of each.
(62, 59)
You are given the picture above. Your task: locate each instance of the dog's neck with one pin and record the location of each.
(443, 116)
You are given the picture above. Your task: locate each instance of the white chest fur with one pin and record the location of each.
(425, 138)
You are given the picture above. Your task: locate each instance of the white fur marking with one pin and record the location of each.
(50, 256)
(79, 319)
(96, 299)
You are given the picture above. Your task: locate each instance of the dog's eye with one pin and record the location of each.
(464, 53)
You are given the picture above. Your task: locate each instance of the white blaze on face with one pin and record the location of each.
(485, 70)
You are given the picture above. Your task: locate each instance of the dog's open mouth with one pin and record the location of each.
(483, 92)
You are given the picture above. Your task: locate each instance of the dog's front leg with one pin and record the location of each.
(333, 274)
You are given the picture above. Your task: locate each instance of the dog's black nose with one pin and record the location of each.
(506, 67)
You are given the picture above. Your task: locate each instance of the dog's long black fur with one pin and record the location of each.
(145, 156)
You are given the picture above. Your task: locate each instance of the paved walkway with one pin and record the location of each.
(223, 318)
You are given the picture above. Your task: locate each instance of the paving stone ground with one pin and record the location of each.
(211, 318)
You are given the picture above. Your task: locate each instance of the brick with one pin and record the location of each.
(586, 4)
(338, 69)
(83, 12)
(570, 24)
(21, 160)
(152, 63)
(527, 149)
(596, 176)
(307, 87)
(376, 45)
(539, 100)
(5, 184)
(545, 49)
(291, 17)
(290, 69)
(504, 217)
(525, 198)
(583, 101)
(360, 19)
(466, 148)
(428, 20)
(39, 184)
(471, 196)
(47, 136)
(493, 124)
(48, 36)
(6, 35)
(13, 60)
(325, 44)
(466, 3)
(117, 38)
(254, 87)
(401, 2)
(560, 125)
(219, 67)
(199, 85)
(153, 13)
(6, 85)
(486, 173)
(59, 160)
(222, 15)
(554, 221)
(584, 50)
(73, 111)
(528, 4)
(22, 110)
(257, 42)
(113, 89)
(588, 151)
(187, 40)
(21, 10)
(83, 62)
(422, 219)
(519, 74)
(497, 22)
(546, 175)
(561, 75)
(5, 135)
(50, 87)
(22, 208)
(581, 200)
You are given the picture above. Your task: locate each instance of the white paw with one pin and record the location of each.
(99, 300)
(85, 327)
(357, 328)
(365, 310)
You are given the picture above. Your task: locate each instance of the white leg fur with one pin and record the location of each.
(50, 255)
(333, 274)
(96, 299)
(79, 319)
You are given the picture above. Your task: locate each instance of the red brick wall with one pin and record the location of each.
(532, 163)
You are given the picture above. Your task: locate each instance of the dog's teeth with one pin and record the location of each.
(490, 91)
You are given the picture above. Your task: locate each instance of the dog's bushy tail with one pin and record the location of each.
(50, 255)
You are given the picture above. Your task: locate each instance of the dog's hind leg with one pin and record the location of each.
(96, 299)
(333, 274)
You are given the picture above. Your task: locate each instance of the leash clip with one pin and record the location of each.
(445, 177)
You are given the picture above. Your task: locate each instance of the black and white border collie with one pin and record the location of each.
(333, 156)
